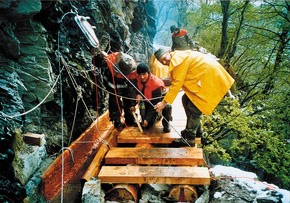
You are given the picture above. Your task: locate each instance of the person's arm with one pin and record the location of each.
(178, 76)
(150, 111)
(179, 73)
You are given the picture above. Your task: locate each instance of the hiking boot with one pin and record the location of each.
(186, 140)
(147, 128)
(185, 134)
(166, 127)
(181, 143)
(118, 124)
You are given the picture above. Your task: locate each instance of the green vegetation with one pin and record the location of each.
(252, 131)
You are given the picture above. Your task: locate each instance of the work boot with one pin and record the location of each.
(118, 124)
(166, 127)
(186, 140)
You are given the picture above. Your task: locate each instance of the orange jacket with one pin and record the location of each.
(152, 84)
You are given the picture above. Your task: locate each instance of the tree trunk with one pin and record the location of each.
(224, 41)
(283, 41)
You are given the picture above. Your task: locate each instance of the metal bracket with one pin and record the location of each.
(87, 29)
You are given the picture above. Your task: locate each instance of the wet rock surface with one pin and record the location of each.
(33, 35)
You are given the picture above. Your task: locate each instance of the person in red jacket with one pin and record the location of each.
(180, 39)
(116, 65)
(153, 89)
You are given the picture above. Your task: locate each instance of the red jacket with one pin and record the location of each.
(152, 84)
(181, 41)
(180, 34)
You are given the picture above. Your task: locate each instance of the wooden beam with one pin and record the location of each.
(84, 148)
(95, 166)
(155, 175)
(156, 136)
(33, 138)
(187, 156)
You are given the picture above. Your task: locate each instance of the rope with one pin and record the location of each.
(79, 93)
(41, 102)
(62, 122)
(76, 86)
(96, 82)
(61, 103)
(73, 120)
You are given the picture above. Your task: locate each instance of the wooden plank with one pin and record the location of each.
(155, 175)
(84, 148)
(33, 138)
(133, 135)
(95, 165)
(156, 136)
(187, 156)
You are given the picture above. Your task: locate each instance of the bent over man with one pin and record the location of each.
(204, 82)
(180, 39)
(117, 65)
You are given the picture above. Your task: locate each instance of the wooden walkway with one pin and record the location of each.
(150, 162)
(126, 159)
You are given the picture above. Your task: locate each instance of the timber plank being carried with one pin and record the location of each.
(156, 136)
(155, 175)
(187, 156)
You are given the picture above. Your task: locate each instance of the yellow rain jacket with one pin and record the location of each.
(157, 68)
(201, 77)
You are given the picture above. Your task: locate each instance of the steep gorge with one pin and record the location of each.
(33, 37)
(38, 94)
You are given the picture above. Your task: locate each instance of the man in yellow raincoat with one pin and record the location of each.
(204, 82)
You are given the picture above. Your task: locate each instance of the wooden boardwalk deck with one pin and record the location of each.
(154, 163)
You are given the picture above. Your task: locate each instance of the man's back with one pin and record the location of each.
(180, 39)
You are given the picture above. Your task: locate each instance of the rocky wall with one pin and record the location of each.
(34, 96)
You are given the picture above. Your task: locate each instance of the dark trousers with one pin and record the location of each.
(193, 114)
(167, 115)
(114, 112)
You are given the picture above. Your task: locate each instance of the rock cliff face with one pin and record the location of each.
(34, 37)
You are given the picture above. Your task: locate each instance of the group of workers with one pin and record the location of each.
(204, 82)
